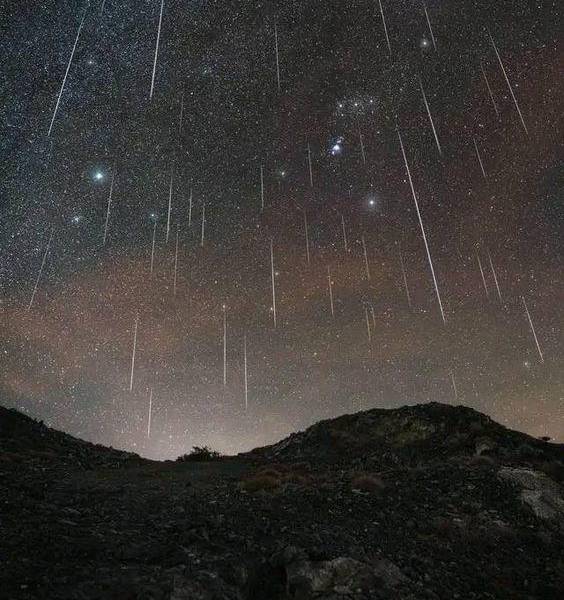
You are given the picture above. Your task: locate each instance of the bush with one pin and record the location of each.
(261, 482)
(365, 482)
(199, 454)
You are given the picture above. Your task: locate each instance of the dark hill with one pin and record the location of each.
(426, 501)
(407, 435)
(23, 439)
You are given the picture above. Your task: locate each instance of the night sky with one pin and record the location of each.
(359, 324)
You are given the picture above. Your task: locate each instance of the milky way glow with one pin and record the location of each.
(201, 157)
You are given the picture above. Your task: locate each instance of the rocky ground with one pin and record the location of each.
(429, 501)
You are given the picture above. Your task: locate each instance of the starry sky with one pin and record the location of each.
(219, 230)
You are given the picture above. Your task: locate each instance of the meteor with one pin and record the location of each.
(150, 413)
(483, 276)
(430, 116)
(273, 284)
(67, 72)
(494, 103)
(385, 27)
(330, 284)
(430, 26)
(133, 353)
(479, 158)
(277, 54)
(532, 329)
(421, 226)
(48, 247)
(365, 259)
(156, 51)
(509, 84)
(109, 205)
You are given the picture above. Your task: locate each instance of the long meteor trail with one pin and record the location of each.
(482, 274)
(509, 84)
(495, 277)
(109, 205)
(150, 413)
(224, 346)
(153, 247)
(494, 103)
(47, 248)
(421, 226)
(330, 284)
(479, 158)
(246, 373)
(405, 279)
(169, 206)
(430, 117)
(272, 277)
(133, 353)
(385, 26)
(310, 167)
(306, 236)
(277, 54)
(430, 26)
(532, 329)
(67, 72)
(156, 51)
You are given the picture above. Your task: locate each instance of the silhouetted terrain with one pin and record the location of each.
(428, 501)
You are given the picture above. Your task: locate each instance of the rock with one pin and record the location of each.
(484, 445)
(341, 575)
(541, 494)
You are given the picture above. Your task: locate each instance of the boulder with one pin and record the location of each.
(541, 494)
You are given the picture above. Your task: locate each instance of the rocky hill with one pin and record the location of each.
(408, 436)
(428, 501)
(24, 440)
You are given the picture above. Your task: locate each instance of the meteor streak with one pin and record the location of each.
(67, 72)
(509, 84)
(430, 116)
(133, 353)
(109, 205)
(421, 226)
(532, 329)
(47, 248)
(156, 51)
(385, 27)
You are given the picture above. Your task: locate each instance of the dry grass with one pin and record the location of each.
(366, 482)
(260, 482)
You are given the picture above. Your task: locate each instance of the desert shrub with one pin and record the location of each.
(260, 482)
(296, 478)
(366, 482)
(554, 469)
(482, 460)
(269, 472)
(199, 454)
